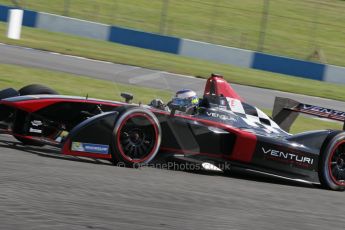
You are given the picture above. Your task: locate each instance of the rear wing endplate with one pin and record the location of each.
(285, 112)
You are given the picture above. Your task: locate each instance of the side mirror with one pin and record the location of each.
(127, 96)
(178, 107)
(184, 109)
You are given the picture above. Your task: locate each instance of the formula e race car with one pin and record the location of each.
(223, 129)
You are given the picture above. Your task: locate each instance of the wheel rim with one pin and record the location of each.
(137, 138)
(336, 164)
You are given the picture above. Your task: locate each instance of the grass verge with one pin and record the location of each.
(68, 84)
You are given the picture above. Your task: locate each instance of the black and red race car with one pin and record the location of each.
(224, 129)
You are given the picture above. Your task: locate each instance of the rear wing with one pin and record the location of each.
(285, 112)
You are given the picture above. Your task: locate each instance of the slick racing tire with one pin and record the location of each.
(136, 137)
(33, 89)
(332, 163)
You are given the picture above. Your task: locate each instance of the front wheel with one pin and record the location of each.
(136, 137)
(332, 163)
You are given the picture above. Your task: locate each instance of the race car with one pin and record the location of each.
(223, 128)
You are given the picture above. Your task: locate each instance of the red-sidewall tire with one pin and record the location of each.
(136, 137)
(332, 163)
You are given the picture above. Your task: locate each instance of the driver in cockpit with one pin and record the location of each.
(185, 101)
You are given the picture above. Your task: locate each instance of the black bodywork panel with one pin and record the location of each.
(191, 137)
(98, 129)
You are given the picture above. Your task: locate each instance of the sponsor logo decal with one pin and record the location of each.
(220, 116)
(36, 123)
(317, 110)
(35, 126)
(31, 130)
(287, 157)
(91, 148)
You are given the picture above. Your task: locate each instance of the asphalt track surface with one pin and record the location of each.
(40, 189)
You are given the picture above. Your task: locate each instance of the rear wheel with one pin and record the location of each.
(137, 137)
(332, 164)
(33, 89)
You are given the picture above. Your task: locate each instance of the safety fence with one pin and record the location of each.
(181, 46)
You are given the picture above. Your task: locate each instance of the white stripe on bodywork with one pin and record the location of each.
(253, 118)
(274, 125)
(250, 122)
(262, 114)
(271, 129)
(254, 121)
(235, 105)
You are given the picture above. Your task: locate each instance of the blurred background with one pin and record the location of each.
(309, 29)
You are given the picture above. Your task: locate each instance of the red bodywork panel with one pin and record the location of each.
(216, 85)
(34, 105)
(244, 147)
